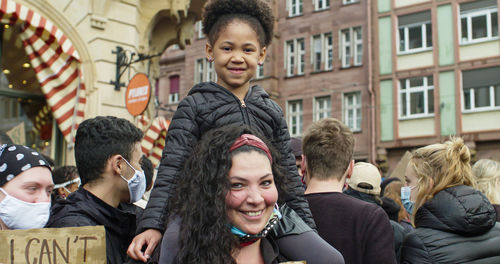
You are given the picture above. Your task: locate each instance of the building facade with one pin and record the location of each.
(437, 68)
(59, 59)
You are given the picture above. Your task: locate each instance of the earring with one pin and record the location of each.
(261, 63)
(210, 59)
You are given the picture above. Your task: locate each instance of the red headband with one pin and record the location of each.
(251, 140)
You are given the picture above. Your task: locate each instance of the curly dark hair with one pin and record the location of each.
(205, 236)
(217, 14)
(99, 138)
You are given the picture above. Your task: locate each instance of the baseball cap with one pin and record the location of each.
(363, 176)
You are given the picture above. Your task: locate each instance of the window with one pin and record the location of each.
(321, 4)
(478, 21)
(322, 52)
(346, 2)
(481, 89)
(294, 7)
(415, 32)
(295, 57)
(416, 97)
(352, 110)
(204, 71)
(295, 118)
(199, 29)
(352, 47)
(173, 96)
(260, 72)
(322, 107)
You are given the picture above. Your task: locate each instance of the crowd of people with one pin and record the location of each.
(232, 187)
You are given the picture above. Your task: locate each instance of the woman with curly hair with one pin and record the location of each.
(487, 173)
(238, 34)
(227, 198)
(454, 223)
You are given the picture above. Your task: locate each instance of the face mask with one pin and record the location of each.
(405, 199)
(136, 184)
(17, 214)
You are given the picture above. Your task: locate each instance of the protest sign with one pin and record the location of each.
(53, 245)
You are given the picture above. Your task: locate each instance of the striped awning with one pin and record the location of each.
(154, 137)
(55, 62)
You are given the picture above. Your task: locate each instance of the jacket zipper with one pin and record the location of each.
(244, 110)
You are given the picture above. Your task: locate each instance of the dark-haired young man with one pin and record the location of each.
(359, 230)
(107, 153)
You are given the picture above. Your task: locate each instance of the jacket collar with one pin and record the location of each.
(254, 92)
(459, 209)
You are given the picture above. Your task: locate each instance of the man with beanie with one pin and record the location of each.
(296, 144)
(359, 230)
(107, 154)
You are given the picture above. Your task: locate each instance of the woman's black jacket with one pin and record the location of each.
(458, 225)
(208, 106)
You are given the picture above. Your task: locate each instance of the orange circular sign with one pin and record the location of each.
(138, 94)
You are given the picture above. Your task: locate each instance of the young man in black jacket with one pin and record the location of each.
(107, 153)
(359, 230)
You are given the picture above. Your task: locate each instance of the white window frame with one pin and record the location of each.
(476, 13)
(295, 129)
(204, 71)
(198, 71)
(173, 98)
(259, 73)
(473, 108)
(325, 51)
(351, 42)
(294, 57)
(322, 107)
(406, 28)
(347, 2)
(321, 5)
(355, 107)
(199, 30)
(295, 7)
(417, 89)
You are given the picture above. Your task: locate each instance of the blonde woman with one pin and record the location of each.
(487, 173)
(454, 223)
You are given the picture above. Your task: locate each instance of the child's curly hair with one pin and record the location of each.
(257, 14)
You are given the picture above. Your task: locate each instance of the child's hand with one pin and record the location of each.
(149, 238)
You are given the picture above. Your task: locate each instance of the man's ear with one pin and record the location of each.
(350, 169)
(303, 164)
(115, 164)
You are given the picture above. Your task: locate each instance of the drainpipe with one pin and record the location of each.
(370, 85)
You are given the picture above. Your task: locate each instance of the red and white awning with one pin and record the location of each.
(56, 64)
(154, 137)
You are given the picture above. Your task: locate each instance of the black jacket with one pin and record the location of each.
(208, 106)
(82, 208)
(456, 226)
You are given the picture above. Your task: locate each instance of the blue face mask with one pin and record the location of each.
(405, 199)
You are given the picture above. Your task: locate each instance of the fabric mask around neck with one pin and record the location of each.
(18, 214)
(136, 184)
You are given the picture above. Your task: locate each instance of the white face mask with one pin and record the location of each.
(136, 184)
(17, 214)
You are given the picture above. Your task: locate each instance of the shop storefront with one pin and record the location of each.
(41, 95)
